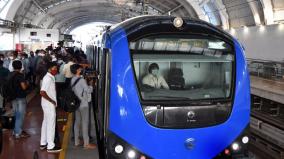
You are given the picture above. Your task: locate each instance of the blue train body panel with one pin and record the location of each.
(126, 118)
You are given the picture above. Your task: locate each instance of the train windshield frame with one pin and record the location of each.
(183, 67)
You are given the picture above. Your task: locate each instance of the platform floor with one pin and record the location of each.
(26, 148)
(269, 89)
(72, 152)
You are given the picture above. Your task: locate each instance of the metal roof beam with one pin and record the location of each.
(197, 9)
(255, 11)
(81, 22)
(174, 9)
(268, 11)
(70, 20)
(39, 6)
(223, 14)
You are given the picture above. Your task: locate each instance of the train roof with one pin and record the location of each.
(134, 24)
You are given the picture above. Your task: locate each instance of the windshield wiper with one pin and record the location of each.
(171, 97)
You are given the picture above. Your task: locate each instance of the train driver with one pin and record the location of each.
(153, 79)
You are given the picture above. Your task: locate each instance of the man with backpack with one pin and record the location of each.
(82, 90)
(49, 104)
(17, 94)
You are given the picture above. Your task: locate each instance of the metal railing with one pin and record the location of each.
(10, 24)
(266, 69)
(6, 24)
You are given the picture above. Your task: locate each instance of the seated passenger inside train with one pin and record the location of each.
(180, 68)
(154, 79)
(165, 78)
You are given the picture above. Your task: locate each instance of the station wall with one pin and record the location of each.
(262, 42)
(37, 38)
(6, 39)
(38, 35)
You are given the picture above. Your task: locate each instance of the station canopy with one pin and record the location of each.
(68, 14)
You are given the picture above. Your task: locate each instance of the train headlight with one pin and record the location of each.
(245, 139)
(131, 154)
(235, 146)
(178, 22)
(118, 149)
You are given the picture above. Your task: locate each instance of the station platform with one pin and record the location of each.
(269, 89)
(28, 148)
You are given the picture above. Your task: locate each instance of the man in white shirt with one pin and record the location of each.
(153, 79)
(49, 103)
(67, 72)
(14, 56)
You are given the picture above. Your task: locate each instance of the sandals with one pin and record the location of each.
(90, 146)
(79, 144)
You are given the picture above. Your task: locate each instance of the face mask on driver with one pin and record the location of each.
(155, 72)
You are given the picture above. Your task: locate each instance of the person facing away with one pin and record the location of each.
(153, 79)
(82, 91)
(19, 104)
(67, 72)
(49, 103)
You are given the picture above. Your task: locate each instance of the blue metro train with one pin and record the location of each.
(171, 88)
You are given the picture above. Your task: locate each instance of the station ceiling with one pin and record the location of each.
(68, 14)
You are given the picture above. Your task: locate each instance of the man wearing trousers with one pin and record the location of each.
(20, 103)
(82, 91)
(49, 103)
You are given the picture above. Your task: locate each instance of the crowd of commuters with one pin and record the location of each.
(50, 71)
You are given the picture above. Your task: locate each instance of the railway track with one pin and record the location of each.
(267, 136)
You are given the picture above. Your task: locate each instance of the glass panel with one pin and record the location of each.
(182, 68)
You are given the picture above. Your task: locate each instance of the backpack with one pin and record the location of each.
(8, 89)
(70, 102)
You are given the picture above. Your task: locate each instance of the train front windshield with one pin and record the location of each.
(183, 67)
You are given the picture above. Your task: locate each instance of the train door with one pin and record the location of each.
(101, 95)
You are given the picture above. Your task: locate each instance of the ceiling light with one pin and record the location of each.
(261, 28)
(246, 29)
(281, 26)
(233, 31)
